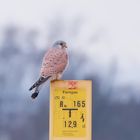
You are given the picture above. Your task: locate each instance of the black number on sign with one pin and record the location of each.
(65, 124)
(79, 103)
(70, 124)
(83, 103)
(74, 124)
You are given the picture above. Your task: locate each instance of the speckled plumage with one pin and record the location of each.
(54, 62)
(53, 65)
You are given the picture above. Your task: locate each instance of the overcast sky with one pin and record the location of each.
(120, 20)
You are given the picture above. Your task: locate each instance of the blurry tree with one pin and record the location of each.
(20, 118)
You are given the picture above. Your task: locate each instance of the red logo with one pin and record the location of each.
(72, 84)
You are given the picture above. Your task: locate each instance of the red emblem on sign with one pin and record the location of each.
(72, 85)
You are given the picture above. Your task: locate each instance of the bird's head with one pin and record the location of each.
(60, 44)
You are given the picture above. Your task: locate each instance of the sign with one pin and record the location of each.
(70, 110)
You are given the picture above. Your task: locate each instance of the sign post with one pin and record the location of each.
(70, 110)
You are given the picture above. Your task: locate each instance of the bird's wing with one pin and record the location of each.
(54, 61)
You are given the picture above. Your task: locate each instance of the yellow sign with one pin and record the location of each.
(70, 106)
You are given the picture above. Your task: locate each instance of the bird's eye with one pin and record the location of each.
(61, 44)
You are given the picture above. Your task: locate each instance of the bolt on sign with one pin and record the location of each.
(70, 110)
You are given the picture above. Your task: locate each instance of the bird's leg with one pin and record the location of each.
(58, 76)
(53, 78)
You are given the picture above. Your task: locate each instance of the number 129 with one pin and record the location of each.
(70, 124)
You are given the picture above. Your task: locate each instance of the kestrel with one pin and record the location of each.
(54, 63)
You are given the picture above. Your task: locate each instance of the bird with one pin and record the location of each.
(55, 62)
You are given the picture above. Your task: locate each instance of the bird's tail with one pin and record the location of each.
(39, 82)
(35, 94)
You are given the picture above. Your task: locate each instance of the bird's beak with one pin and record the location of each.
(66, 46)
